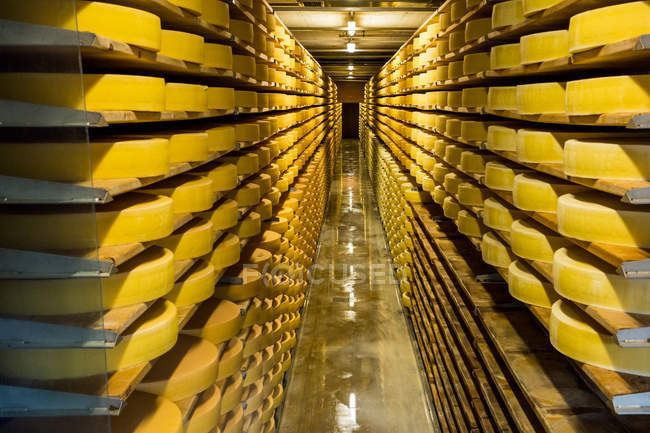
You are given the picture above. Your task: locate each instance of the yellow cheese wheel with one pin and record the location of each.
(440, 170)
(456, 40)
(475, 63)
(245, 99)
(527, 286)
(222, 98)
(531, 7)
(234, 420)
(221, 138)
(501, 138)
(217, 55)
(248, 286)
(498, 215)
(458, 9)
(186, 97)
(620, 94)
(247, 132)
(540, 193)
(222, 215)
(231, 360)
(206, 415)
(541, 98)
(269, 240)
(474, 97)
(597, 217)
(101, 159)
(607, 159)
(182, 45)
(124, 24)
(254, 365)
(505, 56)
(474, 130)
(101, 92)
(450, 208)
(441, 73)
(242, 29)
(455, 71)
(246, 195)
(147, 276)
(190, 193)
(129, 218)
(453, 154)
(534, 241)
(469, 225)
(274, 196)
(216, 12)
(150, 336)
(226, 251)
(188, 368)
(541, 146)
(507, 13)
(215, 320)
(474, 161)
(445, 20)
(502, 98)
(265, 209)
(495, 252)
(470, 194)
(540, 47)
(577, 336)
(196, 285)
(453, 127)
(188, 147)
(223, 175)
(474, 29)
(244, 64)
(192, 240)
(193, 6)
(452, 181)
(601, 26)
(583, 278)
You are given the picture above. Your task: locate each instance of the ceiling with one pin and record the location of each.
(382, 27)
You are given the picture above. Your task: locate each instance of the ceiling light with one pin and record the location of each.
(350, 68)
(352, 28)
(351, 47)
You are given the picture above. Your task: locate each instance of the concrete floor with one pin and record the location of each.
(355, 367)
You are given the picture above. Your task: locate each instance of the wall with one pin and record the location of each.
(350, 91)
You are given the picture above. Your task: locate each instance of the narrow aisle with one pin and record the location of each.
(355, 368)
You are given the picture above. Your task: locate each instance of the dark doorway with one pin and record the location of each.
(350, 120)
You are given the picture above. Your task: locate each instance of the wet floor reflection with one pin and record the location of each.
(354, 368)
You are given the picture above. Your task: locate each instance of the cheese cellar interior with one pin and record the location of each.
(252, 216)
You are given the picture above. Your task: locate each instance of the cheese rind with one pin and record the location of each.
(189, 193)
(192, 240)
(216, 320)
(182, 45)
(217, 56)
(223, 98)
(216, 12)
(195, 286)
(531, 7)
(538, 193)
(498, 216)
(469, 225)
(607, 159)
(501, 138)
(502, 98)
(541, 47)
(495, 252)
(206, 414)
(541, 98)
(601, 26)
(527, 286)
(226, 252)
(186, 97)
(577, 336)
(619, 94)
(507, 13)
(595, 217)
(540, 146)
(475, 63)
(470, 194)
(533, 241)
(505, 56)
(474, 29)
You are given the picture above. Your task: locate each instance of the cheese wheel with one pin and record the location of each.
(192, 240)
(188, 147)
(597, 217)
(477, 28)
(193, 6)
(182, 45)
(501, 138)
(265, 209)
(475, 63)
(495, 252)
(215, 320)
(502, 98)
(498, 215)
(453, 127)
(620, 94)
(222, 175)
(540, 193)
(223, 98)
(456, 40)
(196, 285)
(231, 360)
(527, 286)
(205, 416)
(540, 47)
(231, 398)
(187, 369)
(223, 215)
(577, 336)
(505, 56)
(246, 195)
(500, 176)
(190, 193)
(244, 64)
(441, 73)
(247, 132)
(245, 99)
(600, 26)
(541, 98)
(473, 130)
(474, 97)
(234, 421)
(453, 154)
(134, 217)
(216, 12)
(583, 278)
(150, 336)
(470, 194)
(469, 225)
(249, 286)
(450, 208)
(540, 146)
(531, 7)
(445, 20)
(247, 163)
(607, 159)
(242, 29)
(101, 92)
(507, 13)
(440, 170)
(226, 252)
(145, 277)
(474, 161)
(452, 181)
(254, 365)
(101, 159)
(124, 24)
(186, 97)
(217, 55)
(534, 241)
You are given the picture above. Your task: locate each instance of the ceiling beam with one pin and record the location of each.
(352, 9)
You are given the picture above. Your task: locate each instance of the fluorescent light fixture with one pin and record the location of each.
(350, 68)
(352, 28)
(351, 47)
